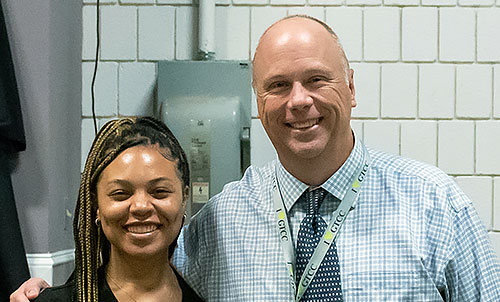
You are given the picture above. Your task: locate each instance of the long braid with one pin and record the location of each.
(91, 246)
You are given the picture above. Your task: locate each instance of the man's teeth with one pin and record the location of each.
(142, 229)
(305, 124)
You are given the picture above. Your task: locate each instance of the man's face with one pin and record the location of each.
(303, 98)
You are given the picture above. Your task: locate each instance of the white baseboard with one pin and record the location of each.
(52, 267)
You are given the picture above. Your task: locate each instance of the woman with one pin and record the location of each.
(128, 216)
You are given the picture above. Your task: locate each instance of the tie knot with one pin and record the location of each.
(314, 197)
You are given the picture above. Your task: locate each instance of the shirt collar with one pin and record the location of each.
(338, 184)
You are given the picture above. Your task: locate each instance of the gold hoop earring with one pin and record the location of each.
(97, 222)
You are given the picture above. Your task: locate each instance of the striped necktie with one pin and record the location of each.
(326, 285)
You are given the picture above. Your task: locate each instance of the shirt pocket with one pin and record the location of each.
(390, 286)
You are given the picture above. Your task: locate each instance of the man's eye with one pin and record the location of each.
(278, 85)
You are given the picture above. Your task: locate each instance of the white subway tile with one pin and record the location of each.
(479, 190)
(439, 2)
(137, 1)
(106, 88)
(156, 33)
(186, 36)
(456, 147)
(261, 19)
(488, 33)
(136, 88)
(474, 91)
(118, 33)
(456, 35)
(313, 11)
(495, 241)
(261, 149)
(399, 91)
(419, 39)
(251, 2)
(476, 2)
(402, 2)
(232, 28)
(363, 2)
(419, 141)
(381, 34)
(100, 2)
(326, 2)
(175, 1)
(88, 32)
(496, 208)
(382, 135)
(436, 91)
(367, 84)
(496, 92)
(487, 147)
(88, 134)
(288, 2)
(357, 127)
(347, 22)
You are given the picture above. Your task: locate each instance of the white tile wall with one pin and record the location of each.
(427, 72)
(119, 33)
(496, 91)
(399, 90)
(347, 23)
(381, 34)
(456, 35)
(419, 141)
(436, 91)
(382, 135)
(419, 39)
(487, 147)
(474, 91)
(156, 33)
(488, 31)
(367, 83)
(106, 88)
(136, 88)
(496, 207)
(480, 191)
(456, 147)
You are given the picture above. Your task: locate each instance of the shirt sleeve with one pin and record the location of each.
(473, 273)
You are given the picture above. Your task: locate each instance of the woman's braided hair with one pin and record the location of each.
(91, 246)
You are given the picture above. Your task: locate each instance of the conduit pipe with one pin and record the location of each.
(206, 30)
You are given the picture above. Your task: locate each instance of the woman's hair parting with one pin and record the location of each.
(91, 246)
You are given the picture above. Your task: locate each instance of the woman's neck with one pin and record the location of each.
(146, 279)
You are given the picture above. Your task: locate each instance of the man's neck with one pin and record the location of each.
(316, 171)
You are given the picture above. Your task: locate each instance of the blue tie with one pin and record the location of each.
(326, 285)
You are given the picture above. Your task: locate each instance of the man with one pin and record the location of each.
(403, 230)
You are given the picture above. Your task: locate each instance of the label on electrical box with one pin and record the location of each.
(199, 152)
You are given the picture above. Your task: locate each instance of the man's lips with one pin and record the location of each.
(142, 228)
(304, 124)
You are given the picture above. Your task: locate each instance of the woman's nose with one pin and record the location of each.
(141, 205)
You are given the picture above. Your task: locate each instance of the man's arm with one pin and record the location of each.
(28, 290)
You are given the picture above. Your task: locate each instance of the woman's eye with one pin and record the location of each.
(119, 195)
(161, 193)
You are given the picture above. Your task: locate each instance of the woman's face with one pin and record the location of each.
(140, 201)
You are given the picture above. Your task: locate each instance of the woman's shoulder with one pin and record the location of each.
(62, 293)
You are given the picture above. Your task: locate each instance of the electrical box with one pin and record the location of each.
(207, 105)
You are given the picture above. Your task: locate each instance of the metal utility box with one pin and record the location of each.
(207, 105)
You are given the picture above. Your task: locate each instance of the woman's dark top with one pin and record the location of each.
(64, 293)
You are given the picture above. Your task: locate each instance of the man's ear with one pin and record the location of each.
(352, 88)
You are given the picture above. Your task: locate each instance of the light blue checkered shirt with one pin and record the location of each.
(412, 236)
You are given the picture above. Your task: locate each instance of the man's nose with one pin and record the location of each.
(300, 97)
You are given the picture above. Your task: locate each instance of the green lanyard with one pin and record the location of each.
(329, 236)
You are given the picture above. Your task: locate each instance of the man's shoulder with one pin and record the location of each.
(398, 166)
(409, 174)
